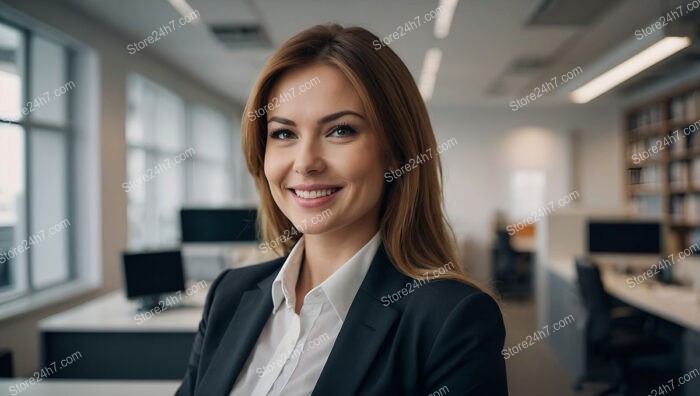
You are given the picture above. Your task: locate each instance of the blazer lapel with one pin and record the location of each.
(236, 344)
(363, 332)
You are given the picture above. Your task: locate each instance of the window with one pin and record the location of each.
(527, 189)
(35, 136)
(178, 154)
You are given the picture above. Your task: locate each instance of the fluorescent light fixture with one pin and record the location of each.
(183, 8)
(444, 19)
(661, 50)
(431, 65)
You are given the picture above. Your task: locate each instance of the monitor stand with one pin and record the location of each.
(147, 303)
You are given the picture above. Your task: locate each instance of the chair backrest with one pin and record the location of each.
(503, 242)
(505, 265)
(6, 363)
(596, 301)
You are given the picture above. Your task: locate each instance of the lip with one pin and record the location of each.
(313, 202)
(311, 187)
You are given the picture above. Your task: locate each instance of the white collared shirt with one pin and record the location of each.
(292, 349)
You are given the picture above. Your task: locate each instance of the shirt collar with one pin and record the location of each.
(339, 289)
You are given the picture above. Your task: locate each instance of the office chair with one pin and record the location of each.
(6, 363)
(617, 340)
(511, 268)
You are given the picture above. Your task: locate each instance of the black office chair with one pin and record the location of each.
(617, 340)
(5, 275)
(512, 269)
(6, 363)
(7, 242)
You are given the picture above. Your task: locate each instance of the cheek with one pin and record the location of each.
(367, 165)
(371, 175)
(273, 168)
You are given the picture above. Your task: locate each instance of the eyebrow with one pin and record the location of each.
(324, 120)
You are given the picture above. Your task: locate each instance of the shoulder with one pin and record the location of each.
(442, 295)
(464, 332)
(441, 303)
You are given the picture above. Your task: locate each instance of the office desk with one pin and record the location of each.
(676, 304)
(53, 387)
(680, 306)
(114, 345)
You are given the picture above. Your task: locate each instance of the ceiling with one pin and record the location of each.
(487, 38)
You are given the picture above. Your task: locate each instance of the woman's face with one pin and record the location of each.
(322, 160)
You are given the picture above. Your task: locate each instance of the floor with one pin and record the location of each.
(534, 371)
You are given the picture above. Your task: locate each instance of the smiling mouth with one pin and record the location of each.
(314, 194)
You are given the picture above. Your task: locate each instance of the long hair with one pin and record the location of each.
(413, 226)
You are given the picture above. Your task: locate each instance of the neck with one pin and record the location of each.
(325, 253)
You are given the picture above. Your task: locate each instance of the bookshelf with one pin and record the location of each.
(662, 163)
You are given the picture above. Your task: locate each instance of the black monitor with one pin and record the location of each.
(150, 274)
(625, 237)
(218, 225)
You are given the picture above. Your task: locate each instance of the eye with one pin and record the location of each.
(281, 134)
(342, 130)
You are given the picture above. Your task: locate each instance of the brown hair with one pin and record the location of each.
(413, 226)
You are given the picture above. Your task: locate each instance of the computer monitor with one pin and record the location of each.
(148, 275)
(624, 237)
(218, 225)
(634, 242)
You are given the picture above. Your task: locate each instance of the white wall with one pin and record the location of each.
(492, 143)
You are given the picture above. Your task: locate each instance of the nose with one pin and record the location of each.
(309, 157)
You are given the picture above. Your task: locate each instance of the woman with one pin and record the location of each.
(367, 300)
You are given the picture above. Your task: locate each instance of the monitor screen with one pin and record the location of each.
(218, 225)
(153, 273)
(622, 237)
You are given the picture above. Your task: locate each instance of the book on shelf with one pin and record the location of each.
(685, 208)
(692, 106)
(678, 174)
(676, 108)
(647, 204)
(648, 177)
(693, 141)
(649, 148)
(685, 107)
(692, 208)
(679, 142)
(647, 116)
(695, 172)
(677, 207)
(694, 237)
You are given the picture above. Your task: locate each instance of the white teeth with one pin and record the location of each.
(313, 194)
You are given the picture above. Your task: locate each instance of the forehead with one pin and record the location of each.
(312, 92)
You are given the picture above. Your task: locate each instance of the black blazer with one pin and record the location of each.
(440, 335)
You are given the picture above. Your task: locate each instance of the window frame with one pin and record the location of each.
(29, 127)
